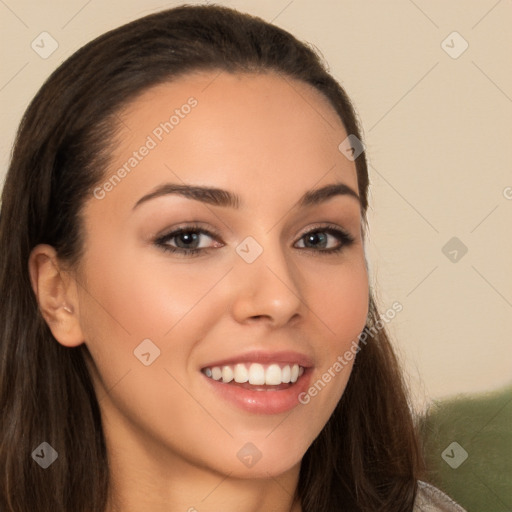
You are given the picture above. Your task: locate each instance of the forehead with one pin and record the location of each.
(235, 131)
(242, 93)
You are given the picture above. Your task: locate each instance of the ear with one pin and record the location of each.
(56, 293)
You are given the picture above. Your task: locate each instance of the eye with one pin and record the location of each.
(318, 239)
(192, 240)
(187, 240)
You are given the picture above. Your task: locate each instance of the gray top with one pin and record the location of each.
(431, 499)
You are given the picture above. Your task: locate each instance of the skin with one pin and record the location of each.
(172, 442)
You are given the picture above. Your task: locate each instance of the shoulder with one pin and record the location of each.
(431, 499)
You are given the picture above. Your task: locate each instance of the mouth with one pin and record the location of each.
(256, 376)
(260, 383)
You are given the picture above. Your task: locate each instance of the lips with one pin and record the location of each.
(265, 383)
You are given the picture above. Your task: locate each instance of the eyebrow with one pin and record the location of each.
(219, 197)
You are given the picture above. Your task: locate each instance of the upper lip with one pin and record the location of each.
(265, 357)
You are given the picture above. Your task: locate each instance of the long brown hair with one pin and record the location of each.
(366, 458)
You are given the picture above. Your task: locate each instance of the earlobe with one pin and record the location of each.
(55, 291)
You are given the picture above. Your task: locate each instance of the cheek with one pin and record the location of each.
(132, 298)
(144, 297)
(340, 301)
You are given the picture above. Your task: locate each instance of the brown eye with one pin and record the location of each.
(318, 239)
(187, 241)
(315, 240)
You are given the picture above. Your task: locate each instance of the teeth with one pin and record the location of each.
(227, 374)
(241, 373)
(295, 373)
(273, 375)
(256, 374)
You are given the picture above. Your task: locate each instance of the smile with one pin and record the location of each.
(255, 374)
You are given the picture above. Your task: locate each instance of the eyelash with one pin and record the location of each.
(343, 237)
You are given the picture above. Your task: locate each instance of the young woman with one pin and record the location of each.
(186, 321)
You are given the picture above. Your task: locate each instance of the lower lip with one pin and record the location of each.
(262, 402)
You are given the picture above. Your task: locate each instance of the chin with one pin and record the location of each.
(269, 461)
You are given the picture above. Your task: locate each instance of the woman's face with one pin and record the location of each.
(252, 288)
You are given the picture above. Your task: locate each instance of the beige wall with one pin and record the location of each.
(438, 136)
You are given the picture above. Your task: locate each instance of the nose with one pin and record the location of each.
(268, 289)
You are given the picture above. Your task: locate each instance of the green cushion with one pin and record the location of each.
(477, 471)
